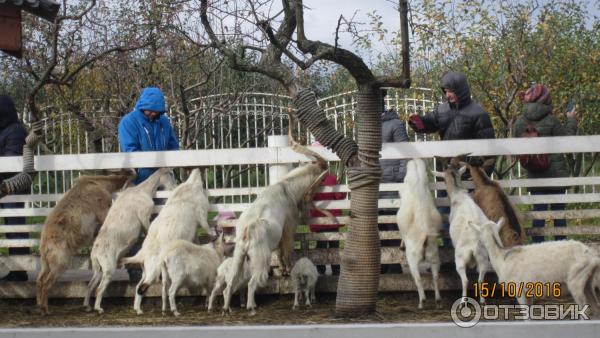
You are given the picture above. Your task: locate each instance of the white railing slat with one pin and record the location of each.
(185, 158)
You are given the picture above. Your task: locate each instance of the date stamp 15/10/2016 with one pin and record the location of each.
(518, 289)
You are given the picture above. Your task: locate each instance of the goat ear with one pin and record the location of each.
(462, 170)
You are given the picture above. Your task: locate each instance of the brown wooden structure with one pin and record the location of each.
(11, 18)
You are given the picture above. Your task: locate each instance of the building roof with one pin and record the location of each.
(46, 9)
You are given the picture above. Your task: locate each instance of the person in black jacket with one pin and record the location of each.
(460, 118)
(12, 139)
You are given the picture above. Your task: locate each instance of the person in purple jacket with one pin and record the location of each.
(147, 128)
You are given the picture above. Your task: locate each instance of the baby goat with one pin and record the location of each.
(220, 283)
(419, 223)
(191, 265)
(304, 277)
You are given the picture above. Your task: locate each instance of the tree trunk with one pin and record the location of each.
(359, 279)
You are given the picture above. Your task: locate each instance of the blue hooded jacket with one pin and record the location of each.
(138, 133)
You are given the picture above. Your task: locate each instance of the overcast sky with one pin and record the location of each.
(321, 20)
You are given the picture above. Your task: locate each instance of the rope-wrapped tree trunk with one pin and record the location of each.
(359, 278)
(359, 281)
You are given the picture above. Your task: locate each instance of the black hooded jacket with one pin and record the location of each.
(12, 132)
(463, 121)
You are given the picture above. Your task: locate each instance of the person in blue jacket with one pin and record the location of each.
(146, 128)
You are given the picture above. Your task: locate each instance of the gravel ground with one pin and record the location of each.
(391, 308)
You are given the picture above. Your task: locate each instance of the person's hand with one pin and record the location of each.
(415, 122)
(572, 113)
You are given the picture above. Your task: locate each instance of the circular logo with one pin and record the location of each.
(465, 312)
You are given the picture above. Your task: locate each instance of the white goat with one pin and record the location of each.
(419, 223)
(565, 262)
(220, 283)
(269, 224)
(190, 265)
(304, 278)
(121, 229)
(186, 208)
(468, 249)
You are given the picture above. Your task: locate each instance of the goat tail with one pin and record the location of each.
(136, 259)
(256, 250)
(513, 219)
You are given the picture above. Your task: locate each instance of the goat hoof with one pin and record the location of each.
(100, 310)
(295, 307)
(176, 313)
(252, 313)
(139, 312)
(420, 307)
(438, 304)
(87, 308)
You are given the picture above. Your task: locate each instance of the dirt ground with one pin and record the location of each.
(273, 310)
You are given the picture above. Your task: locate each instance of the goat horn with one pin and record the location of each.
(313, 186)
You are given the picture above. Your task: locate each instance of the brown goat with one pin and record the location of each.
(72, 224)
(494, 203)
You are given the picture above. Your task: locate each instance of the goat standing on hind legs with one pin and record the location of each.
(71, 225)
(419, 223)
(494, 203)
(185, 210)
(468, 249)
(128, 216)
(270, 224)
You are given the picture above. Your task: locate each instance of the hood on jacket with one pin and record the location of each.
(457, 82)
(8, 112)
(535, 111)
(388, 115)
(151, 99)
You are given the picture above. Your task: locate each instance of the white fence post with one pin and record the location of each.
(277, 171)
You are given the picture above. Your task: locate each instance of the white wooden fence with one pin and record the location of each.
(583, 212)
